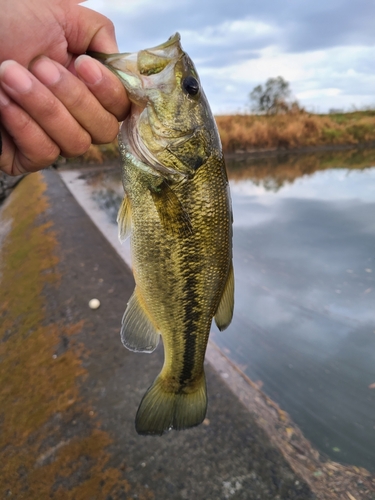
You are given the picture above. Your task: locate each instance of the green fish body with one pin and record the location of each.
(177, 209)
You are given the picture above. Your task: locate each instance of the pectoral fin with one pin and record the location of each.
(224, 312)
(124, 219)
(137, 332)
(173, 216)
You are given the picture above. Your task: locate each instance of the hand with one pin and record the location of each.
(58, 106)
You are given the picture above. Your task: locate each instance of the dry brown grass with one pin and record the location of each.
(289, 131)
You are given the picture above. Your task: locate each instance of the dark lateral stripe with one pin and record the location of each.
(190, 323)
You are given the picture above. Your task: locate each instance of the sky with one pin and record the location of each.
(325, 49)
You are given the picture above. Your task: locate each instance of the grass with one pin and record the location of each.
(298, 130)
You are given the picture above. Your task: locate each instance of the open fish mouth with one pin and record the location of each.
(135, 68)
(164, 50)
(141, 73)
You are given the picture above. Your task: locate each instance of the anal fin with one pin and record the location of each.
(137, 331)
(224, 312)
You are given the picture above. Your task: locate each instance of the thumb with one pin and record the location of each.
(86, 29)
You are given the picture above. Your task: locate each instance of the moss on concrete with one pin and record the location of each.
(41, 454)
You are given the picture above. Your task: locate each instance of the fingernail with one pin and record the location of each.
(88, 69)
(46, 71)
(15, 76)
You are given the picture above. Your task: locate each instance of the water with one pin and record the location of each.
(304, 323)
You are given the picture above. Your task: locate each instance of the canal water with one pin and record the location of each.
(304, 258)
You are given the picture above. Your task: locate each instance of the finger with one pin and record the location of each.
(46, 109)
(78, 100)
(7, 163)
(25, 146)
(105, 86)
(9, 160)
(86, 29)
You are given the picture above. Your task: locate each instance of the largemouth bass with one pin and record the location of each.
(178, 211)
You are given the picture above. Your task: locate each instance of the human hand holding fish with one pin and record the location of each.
(52, 101)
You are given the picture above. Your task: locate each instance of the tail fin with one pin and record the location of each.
(161, 411)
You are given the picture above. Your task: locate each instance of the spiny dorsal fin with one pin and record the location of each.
(224, 312)
(173, 216)
(124, 219)
(137, 332)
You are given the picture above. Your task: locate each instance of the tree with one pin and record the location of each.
(273, 98)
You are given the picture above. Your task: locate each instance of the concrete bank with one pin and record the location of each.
(69, 391)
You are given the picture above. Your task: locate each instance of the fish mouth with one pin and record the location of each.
(172, 41)
(141, 73)
(141, 70)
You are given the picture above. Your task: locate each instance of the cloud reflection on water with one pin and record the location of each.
(349, 184)
(304, 321)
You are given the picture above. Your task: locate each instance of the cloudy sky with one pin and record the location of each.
(324, 48)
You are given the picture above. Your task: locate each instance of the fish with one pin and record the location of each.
(177, 210)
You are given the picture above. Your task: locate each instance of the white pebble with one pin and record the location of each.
(94, 304)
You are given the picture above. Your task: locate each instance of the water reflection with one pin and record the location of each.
(304, 324)
(107, 190)
(276, 171)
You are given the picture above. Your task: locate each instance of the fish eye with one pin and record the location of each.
(190, 85)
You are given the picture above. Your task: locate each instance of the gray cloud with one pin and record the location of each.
(329, 24)
(294, 27)
(215, 36)
(301, 25)
(225, 57)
